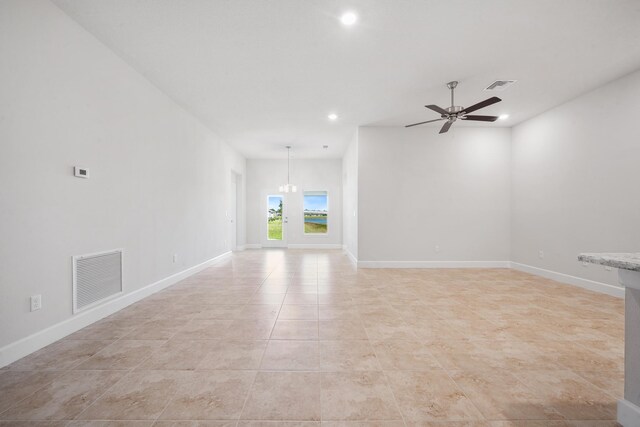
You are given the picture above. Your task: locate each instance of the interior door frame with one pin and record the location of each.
(234, 195)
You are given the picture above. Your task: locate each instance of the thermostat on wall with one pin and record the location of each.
(81, 172)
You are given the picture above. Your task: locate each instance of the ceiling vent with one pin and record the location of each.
(500, 85)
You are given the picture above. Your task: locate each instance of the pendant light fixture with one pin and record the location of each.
(288, 188)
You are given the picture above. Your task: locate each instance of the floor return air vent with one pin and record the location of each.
(96, 278)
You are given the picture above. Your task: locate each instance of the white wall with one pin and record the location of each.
(159, 179)
(576, 175)
(418, 190)
(264, 177)
(350, 197)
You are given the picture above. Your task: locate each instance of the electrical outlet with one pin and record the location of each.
(540, 254)
(437, 249)
(175, 258)
(225, 243)
(36, 302)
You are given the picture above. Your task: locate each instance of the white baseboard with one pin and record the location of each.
(25, 346)
(314, 246)
(433, 264)
(628, 414)
(591, 285)
(253, 246)
(350, 255)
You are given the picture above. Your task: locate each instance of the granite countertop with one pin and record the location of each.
(626, 261)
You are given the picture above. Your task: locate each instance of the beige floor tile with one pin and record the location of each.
(141, 395)
(232, 354)
(295, 330)
(338, 312)
(570, 423)
(395, 329)
(104, 330)
(292, 355)
(16, 385)
(430, 396)
(262, 298)
(362, 424)
(449, 424)
(348, 355)
(199, 423)
(578, 357)
(161, 329)
(204, 329)
(549, 347)
(217, 395)
(218, 312)
(435, 329)
(279, 423)
(357, 396)
(243, 329)
(176, 355)
(298, 298)
(122, 354)
(65, 397)
(298, 312)
(259, 311)
(284, 396)
(404, 355)
(569, 394)
(33, 423)
(500, 395)
(336, 298)
(100, 423)
(611, 382)
(273, 288)
(60, 355)
(342, 330)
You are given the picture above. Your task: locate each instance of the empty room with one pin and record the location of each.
(338, 213)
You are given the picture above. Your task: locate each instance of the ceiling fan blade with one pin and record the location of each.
(421, 123)
(446, 126)
(482, 104)
(437, 109)
(481, 118)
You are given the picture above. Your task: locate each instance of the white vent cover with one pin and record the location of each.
(96, 277)
(500, 85)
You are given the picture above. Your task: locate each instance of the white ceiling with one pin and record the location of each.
(264, 74)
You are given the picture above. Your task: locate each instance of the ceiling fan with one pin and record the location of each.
(453, 113)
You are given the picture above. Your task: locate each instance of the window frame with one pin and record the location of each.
(326, 233)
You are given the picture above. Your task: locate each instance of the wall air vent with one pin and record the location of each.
(96, 277)
(500, 85)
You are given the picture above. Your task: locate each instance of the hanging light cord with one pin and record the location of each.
(288, 160)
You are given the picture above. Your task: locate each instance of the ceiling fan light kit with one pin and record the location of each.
(454, 112)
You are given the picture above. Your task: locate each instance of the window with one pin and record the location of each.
(274, 218)
(316, 210)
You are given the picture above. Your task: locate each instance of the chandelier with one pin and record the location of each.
(288, 188)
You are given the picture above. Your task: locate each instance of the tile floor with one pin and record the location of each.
(302, 338)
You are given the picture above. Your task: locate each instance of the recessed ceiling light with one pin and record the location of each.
(332, 116)
(503, 116)
(349, 18)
